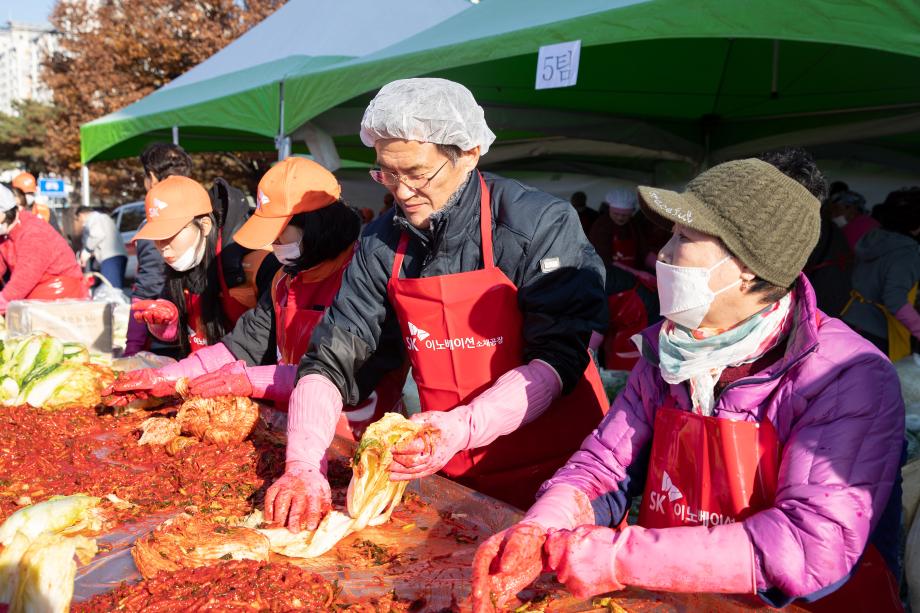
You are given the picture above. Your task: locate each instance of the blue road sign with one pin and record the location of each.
(53, 187)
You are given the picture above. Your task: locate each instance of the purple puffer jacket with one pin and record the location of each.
(836, 404)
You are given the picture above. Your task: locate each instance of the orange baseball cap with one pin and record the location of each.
(170, 205)
(25, 182)
(295, 185)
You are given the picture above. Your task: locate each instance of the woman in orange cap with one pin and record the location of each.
(25, 182)
(312, 233)
(181, 222)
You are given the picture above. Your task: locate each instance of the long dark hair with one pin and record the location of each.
(203, 280)
(327, 232)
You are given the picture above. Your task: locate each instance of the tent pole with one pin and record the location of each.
(175, 135)
(774, 85)
(282, 143)
(84, 184)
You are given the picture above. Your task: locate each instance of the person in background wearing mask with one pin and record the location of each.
(765, 437)
(830, 263)
(40, 263)
(313, 234)
(490, 288)
(196, 308)
(883, 307)
(102, 241)
(847, 211)
(26, 183)
(159, 161)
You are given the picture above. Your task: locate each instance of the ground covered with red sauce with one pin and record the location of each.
(77, 451)
(236, 585)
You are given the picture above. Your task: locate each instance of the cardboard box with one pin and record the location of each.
(81, 321)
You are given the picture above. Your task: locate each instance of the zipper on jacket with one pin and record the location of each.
(773, 377)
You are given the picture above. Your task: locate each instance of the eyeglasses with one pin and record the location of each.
(391, 179)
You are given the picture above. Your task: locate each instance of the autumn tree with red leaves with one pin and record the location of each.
(114, 52)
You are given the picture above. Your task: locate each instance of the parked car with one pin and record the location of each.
(128, 218)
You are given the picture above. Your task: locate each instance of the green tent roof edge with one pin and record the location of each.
(262, 120)
(312, 94)
(315, 89)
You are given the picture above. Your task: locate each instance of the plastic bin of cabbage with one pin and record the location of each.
(42, 371)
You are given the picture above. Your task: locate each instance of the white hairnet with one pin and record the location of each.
(7, 199)
(429, 111)
(622, 198)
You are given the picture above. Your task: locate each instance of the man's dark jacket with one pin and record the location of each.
(538, 243)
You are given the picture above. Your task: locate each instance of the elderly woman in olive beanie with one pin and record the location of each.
(764, 437)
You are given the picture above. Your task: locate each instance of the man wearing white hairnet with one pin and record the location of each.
(488, 287)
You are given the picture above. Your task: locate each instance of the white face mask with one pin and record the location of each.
(192, 256)
(684, 293)
(839, 221)
(287, 253)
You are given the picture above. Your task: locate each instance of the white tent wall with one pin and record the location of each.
(873, 181)
(295, 30)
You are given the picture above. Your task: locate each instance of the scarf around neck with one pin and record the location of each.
(699, 358)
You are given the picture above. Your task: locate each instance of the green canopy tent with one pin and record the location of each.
(688, 82)
(694, 81)
(234, 100)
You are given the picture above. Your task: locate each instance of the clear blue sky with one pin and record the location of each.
(30, 11)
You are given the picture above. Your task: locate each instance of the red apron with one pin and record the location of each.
(300, 303)
(197, 334)
(60, 288)
(235, 301)
(624, 247)
(462, 332)
(627, 317)
(710, 471)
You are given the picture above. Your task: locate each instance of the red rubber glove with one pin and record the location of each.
(229, 380)
(138, 384)
(443, 434)
(584, 559)
(505, 564)
(300, 498)
(156, 312)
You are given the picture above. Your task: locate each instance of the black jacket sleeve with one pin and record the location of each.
(350, 331)
(562, 295)
(253, 337)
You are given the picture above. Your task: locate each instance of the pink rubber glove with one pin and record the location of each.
(592, 560)
(300, 498)
(138, 384)
(511, 560)
(561, 507)
(505, 564)
(596, 340)
(908, 316)
(584, 559)
(275, 383)
(161, 317)
(155, 311)
(228, 380)
(518, 397)
(205, 360)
